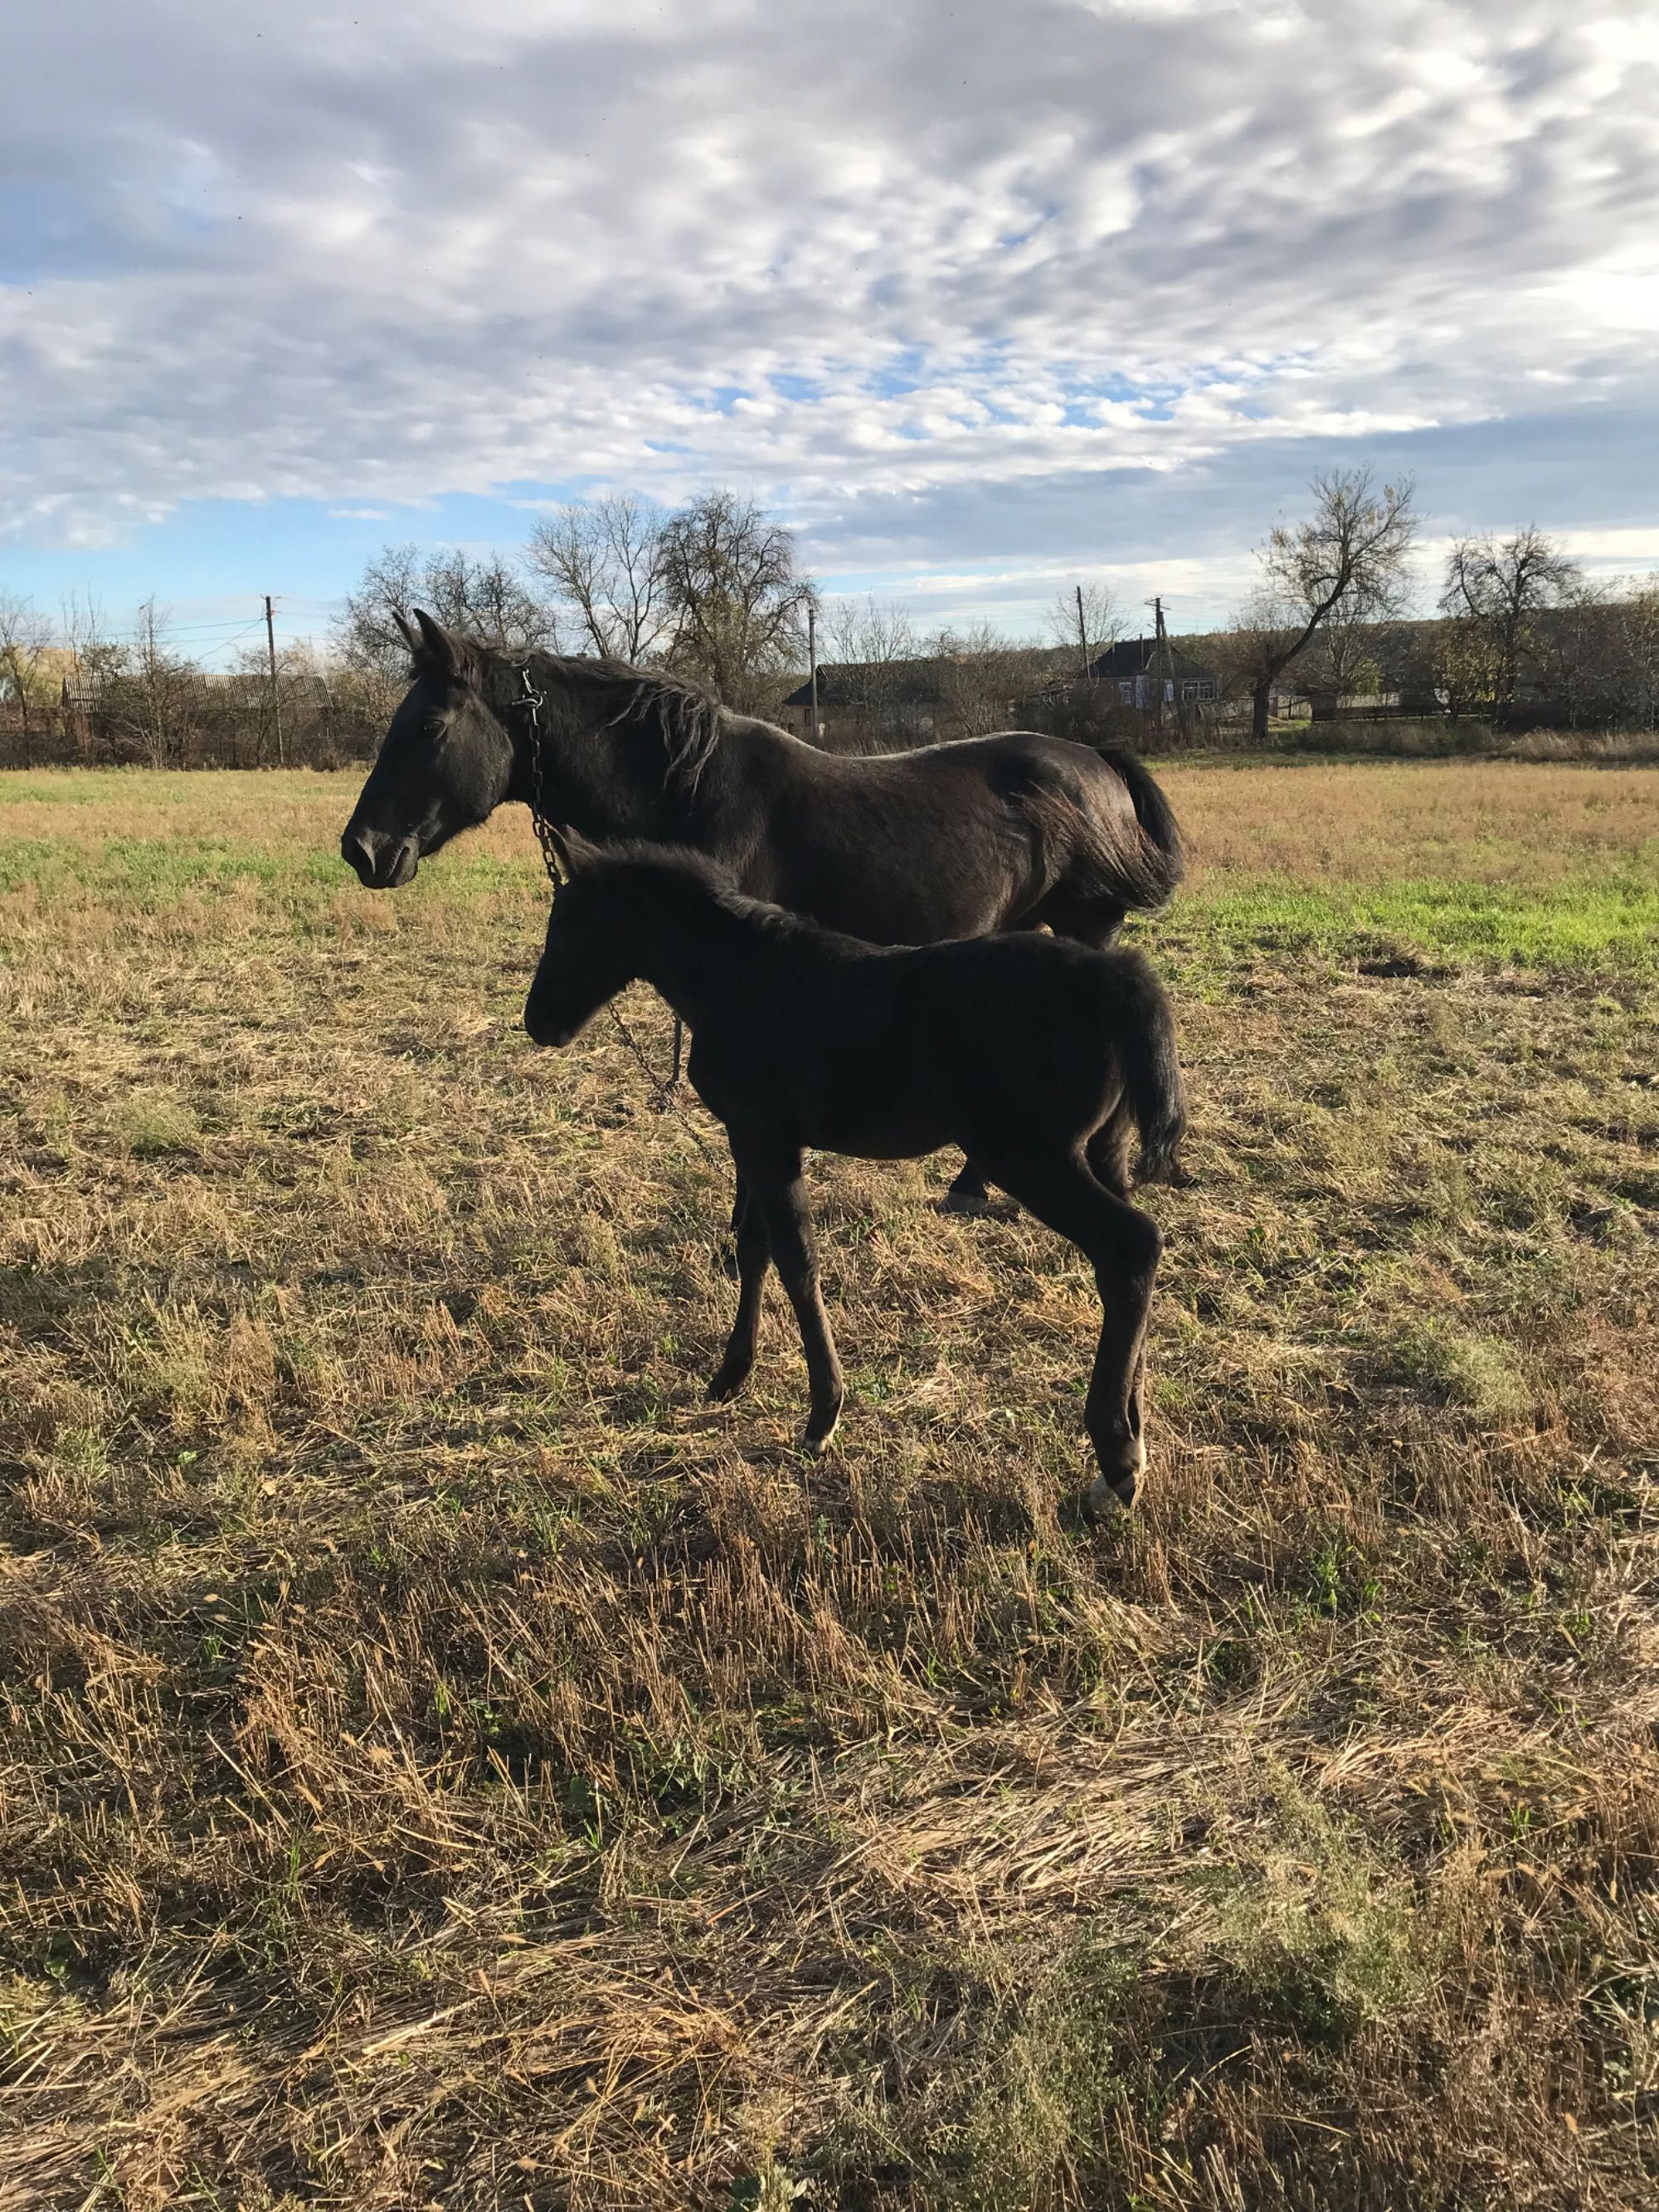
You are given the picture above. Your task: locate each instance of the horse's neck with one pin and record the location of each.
(601, 786)
(609, 782)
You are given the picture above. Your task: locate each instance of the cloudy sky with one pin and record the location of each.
(981, 295)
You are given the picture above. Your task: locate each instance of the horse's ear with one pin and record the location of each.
(440, 650)
(404, 632)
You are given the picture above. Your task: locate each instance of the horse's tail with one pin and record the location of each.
(1153, 870)
(1151, 1069)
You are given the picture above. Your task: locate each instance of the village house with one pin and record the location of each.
(877, 705)
(898, 699)
(894, 704)
(1138, 668)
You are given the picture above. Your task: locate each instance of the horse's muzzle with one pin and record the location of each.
(383, 863)
(544, 1027)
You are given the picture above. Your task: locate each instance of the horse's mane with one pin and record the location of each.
(615, 694)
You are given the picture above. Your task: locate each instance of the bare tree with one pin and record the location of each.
(1633, 654)
(365, 634)
(487, 598)
(96, 659)
(1493, 595)
(302, 701)
(877, 685)
(150, 691)
(1351, 553)
(162, 681)
(1257, 646)
(24, 640)
(981, 674)
(736, 599)
(603, 561)
(1101, 624)
(484, 597)
(870, 630)
(91, 644)
(1349, 652)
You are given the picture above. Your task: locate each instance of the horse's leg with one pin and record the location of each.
(967, 1194)
(1124, 1244)
(754, 1258)
(775, 1184)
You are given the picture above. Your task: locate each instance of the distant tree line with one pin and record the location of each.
(714, 590)
(1523, 638)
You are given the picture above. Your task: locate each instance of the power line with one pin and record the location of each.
(192, 628)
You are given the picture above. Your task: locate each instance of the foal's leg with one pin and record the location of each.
(754, 1258)
(1089, 921)
(775, 1184)
(728, 1261)
(1108, 1151)
(1124, 1245)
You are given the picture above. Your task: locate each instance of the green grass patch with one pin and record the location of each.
(149, 875)
(1608, 924)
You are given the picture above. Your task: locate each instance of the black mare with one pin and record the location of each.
(992, 833)
(1036, 1055)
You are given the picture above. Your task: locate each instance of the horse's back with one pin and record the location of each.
(1029, 773)
(952, 839)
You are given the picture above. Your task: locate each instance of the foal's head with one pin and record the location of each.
(618, 905)
(585, 958)
(444, 763)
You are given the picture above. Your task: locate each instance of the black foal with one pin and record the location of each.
(1035, 1055)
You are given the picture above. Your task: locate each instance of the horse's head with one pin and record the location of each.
(444, 764)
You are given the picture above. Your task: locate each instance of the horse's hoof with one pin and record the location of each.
(725, 1386)
(728, 1261)
(972, 1205)
(1104, 1500)
(814, 1444)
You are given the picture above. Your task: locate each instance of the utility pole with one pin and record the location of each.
(276, 697)
(1160, 660)
(1166, 672)
(812, 662)
(1082, 634)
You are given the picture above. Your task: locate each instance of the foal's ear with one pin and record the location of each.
(409, 636)
(577, 852)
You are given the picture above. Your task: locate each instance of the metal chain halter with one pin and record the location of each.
(669, 1096)
(547, 835)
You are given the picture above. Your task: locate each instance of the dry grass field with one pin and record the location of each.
(443, 1763)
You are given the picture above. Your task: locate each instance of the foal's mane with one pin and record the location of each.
(614, 694)
(666, 866)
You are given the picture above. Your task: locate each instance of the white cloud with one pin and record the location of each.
(898, 252)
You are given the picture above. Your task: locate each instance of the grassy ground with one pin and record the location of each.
(445, 1763)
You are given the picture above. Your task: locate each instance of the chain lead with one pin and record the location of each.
(669, 1094)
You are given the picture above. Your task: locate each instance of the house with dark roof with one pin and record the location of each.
(1138, 668)
(900, 699)
(881, 704)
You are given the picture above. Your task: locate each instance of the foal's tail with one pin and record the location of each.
(1151, 1070)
